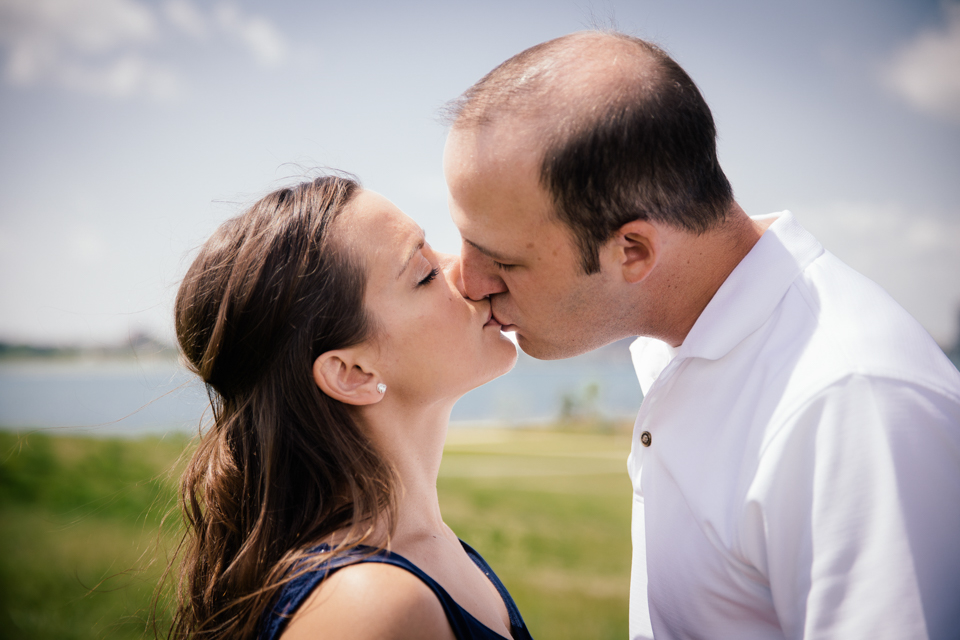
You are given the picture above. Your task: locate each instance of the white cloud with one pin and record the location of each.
(111, 47)
(126, 76)
(258, 34)
(926, 71)
(914, 255)
(84, 45)
(83, 26)
(185, 16)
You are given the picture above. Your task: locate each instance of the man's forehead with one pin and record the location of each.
(506, 233)
(494, 146)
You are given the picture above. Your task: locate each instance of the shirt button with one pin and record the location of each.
(646, 438)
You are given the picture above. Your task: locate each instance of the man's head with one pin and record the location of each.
(554, 160)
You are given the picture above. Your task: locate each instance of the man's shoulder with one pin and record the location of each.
(849, 325)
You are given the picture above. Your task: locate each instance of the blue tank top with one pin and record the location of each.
(465, 626)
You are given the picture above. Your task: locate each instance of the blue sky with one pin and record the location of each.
(130, 129)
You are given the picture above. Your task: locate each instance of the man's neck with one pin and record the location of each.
(697, 267)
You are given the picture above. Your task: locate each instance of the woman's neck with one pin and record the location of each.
(411, 439)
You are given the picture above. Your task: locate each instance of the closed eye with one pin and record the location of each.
(504, 267)
(430, 277)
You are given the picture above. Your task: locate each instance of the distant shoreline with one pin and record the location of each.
(144, 348)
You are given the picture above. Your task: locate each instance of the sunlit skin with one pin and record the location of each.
(427, 349)
(431, 346)
(516, 252)
(655, 279)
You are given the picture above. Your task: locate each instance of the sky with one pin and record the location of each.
(129, 129)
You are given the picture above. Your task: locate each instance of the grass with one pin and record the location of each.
(79, 517)
(79, 522)
(550, 512)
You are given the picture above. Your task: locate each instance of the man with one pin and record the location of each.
(796, 458)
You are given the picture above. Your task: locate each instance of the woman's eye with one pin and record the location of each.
(505, 267)
(430, 277)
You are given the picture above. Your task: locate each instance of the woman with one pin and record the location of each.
(333, 342)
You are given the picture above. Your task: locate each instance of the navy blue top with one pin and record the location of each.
(465, 626)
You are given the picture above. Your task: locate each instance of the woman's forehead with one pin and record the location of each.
(376, 227)
(369, 209)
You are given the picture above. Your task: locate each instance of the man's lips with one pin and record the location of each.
(492, 320)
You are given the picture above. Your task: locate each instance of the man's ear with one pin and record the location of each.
(636, 249)
(340, 375)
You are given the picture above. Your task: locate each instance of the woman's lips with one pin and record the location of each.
(492, 320)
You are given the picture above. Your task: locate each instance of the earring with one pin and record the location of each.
(381, 388)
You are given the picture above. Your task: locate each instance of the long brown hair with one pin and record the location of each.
(282, 465)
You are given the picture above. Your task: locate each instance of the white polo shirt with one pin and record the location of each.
(802, 478)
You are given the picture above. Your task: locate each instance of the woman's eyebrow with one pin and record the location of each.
(417, 247)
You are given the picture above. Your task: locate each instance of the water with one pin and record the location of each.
(100, 397)
(135, 397)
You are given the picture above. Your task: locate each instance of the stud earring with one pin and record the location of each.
(381, 388)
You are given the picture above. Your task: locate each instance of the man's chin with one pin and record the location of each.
(538, 349)
(543, 350)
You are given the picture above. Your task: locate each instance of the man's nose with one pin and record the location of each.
(478, 275)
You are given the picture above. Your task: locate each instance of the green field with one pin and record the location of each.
(79, 522)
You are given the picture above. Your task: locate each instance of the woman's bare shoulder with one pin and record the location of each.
(370, 600)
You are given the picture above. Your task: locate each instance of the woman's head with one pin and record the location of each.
(292, 314)
(282, 463)
(271, 285)
(430, 343)
(325, 268)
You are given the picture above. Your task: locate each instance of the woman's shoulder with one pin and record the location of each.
(370, 600)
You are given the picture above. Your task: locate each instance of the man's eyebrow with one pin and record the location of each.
(499, 257)
(417, 247)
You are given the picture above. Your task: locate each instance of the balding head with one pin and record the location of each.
(558, 81)
(622, 131)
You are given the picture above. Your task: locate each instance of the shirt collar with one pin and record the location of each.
(742, 303)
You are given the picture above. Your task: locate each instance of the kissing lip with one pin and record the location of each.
(492, 319)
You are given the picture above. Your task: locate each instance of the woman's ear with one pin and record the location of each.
(340, 375)
(636, 249)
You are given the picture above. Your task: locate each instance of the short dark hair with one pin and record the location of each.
(646, 149)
